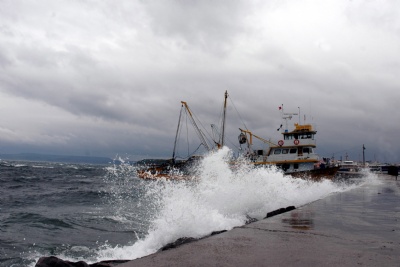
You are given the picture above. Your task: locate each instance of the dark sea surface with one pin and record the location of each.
(104, 212)
(64, 209)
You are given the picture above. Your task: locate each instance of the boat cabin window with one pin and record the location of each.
(285, 151)
(277, 151)
(298, 136)
(307, 150)
(295, 166)
(260, 152)
(293, 150)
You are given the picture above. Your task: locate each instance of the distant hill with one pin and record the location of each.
(152, 161)
(56, 158)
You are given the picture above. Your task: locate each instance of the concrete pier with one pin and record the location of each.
(360, 227)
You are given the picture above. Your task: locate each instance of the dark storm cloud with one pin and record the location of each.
(106, 78)
(209, 25)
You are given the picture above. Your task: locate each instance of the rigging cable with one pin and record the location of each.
(201, 130)
(195, 150)
(238, 113)
(187, 133)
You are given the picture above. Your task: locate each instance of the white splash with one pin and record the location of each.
(219, 198)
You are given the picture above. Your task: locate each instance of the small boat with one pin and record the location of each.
(350, 169)
(183, 169)
(376, 167)
(294, 154)
(349, 166)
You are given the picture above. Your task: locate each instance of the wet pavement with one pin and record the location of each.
(360, 227)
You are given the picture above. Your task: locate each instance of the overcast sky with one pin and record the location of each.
(105, 78)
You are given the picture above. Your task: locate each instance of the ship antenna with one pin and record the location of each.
(299, 116)
(286, 117)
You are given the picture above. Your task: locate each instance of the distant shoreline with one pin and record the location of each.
(58, 158)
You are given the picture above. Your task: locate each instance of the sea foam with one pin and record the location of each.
(218, 197)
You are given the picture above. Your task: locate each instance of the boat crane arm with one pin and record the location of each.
(223, 121)
(176, 136)
(197, 129)
(260, 138)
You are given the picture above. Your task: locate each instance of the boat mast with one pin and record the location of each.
(176, 136)
(224, 120)
(363, 156)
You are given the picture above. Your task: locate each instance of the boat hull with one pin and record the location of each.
(182, 170)
(150, 175)
(316, 174)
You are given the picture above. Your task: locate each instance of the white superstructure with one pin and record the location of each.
(294, 153)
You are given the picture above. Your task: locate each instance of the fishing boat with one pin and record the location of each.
(294, 153)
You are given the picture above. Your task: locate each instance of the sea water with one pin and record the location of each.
(104, 212)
